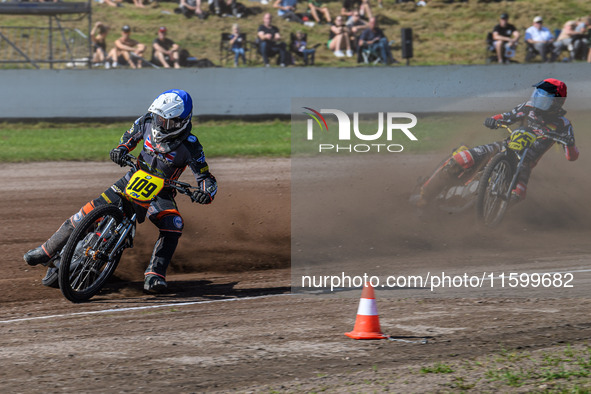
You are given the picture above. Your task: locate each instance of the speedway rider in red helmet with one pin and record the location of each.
(541, 114)
(168, 148)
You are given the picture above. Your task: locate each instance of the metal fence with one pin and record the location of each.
(63, 42)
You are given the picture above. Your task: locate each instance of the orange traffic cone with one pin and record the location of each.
(367, 324)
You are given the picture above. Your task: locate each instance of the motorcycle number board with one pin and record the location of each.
(143, 186)
(521, 139)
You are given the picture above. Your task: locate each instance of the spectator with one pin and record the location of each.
(189, 8)
(139, 3)
(339, 38)
(226, 7)
(350, 6)
(317, 7)
(565, 39)
(127, 50)
(540, 37)
(270, 41)
(98, 35)
(300, 46)
(165, 52)
(286, 10)
(112, 3)
(583, 25)
(582, 45)
(375, 38)
(356, 24)
(505, 36)
(237, 45)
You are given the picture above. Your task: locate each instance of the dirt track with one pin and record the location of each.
(191, 340)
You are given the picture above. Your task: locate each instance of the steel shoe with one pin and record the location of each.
(36, 256)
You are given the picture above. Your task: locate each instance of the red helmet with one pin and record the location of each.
(549, 95)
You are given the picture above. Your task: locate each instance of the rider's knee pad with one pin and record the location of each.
(458, 163)
(170, 224)
(464, 159)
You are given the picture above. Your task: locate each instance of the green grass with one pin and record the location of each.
(47, 141)
(26, 142)
(442, 33)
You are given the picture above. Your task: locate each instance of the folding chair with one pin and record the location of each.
(226, 53)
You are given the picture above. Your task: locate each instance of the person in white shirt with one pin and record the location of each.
(540, 37)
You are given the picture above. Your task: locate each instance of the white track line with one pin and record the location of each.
(136, 308)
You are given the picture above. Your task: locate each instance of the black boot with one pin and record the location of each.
(44, 253)
(36, 256)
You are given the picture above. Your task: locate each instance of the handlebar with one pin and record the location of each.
(182, 187)
(553, 136)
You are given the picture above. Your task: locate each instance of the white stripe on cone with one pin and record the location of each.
(367, 307)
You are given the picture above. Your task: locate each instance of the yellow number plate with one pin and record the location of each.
(143, 186)
(521, 139)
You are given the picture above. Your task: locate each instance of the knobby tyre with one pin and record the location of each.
(491, 202)
(84, 267)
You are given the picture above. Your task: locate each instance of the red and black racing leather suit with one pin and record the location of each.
(162, 211)
(528, 118)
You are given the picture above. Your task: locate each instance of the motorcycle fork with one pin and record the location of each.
(123, 233)
(517, 172)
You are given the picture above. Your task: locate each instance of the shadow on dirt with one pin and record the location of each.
(189, 289)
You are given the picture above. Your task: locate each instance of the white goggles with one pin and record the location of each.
(168, 124)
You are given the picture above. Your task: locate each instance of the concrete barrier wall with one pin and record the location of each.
(79, 94)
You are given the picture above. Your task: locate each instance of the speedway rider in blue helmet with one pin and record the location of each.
(168, 148)
(541, 114)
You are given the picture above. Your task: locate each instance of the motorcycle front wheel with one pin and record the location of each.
(85, 265)
(492, 202)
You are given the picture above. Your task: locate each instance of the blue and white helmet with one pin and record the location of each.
(172, 112)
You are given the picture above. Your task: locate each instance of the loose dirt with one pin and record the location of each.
(229, 322)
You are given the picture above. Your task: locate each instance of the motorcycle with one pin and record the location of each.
(501, 174)
(96, 245)
(489, 186)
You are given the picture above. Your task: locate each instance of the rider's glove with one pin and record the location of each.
(202, 197)
(491, 123)
(118, 155)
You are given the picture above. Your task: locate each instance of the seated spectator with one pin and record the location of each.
(299, 45)
(317, 7)
(112, 3)
(269, 41)
(375, 38)
(582, 45)
(286, 10)
(127, 50)
(139, 3)
(226, 7)
(349, 6)
(505, 36)
(339, 38)
(98, 35)
(565, 39)
(165, 52)
(583, 25)
(540, 37)
(189, 8)
(237, 45)
(355, 23)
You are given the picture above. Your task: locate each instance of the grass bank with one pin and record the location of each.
(43, 141)
(444, 32)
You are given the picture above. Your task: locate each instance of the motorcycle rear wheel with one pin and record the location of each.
(81, 276)
(491, 202)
